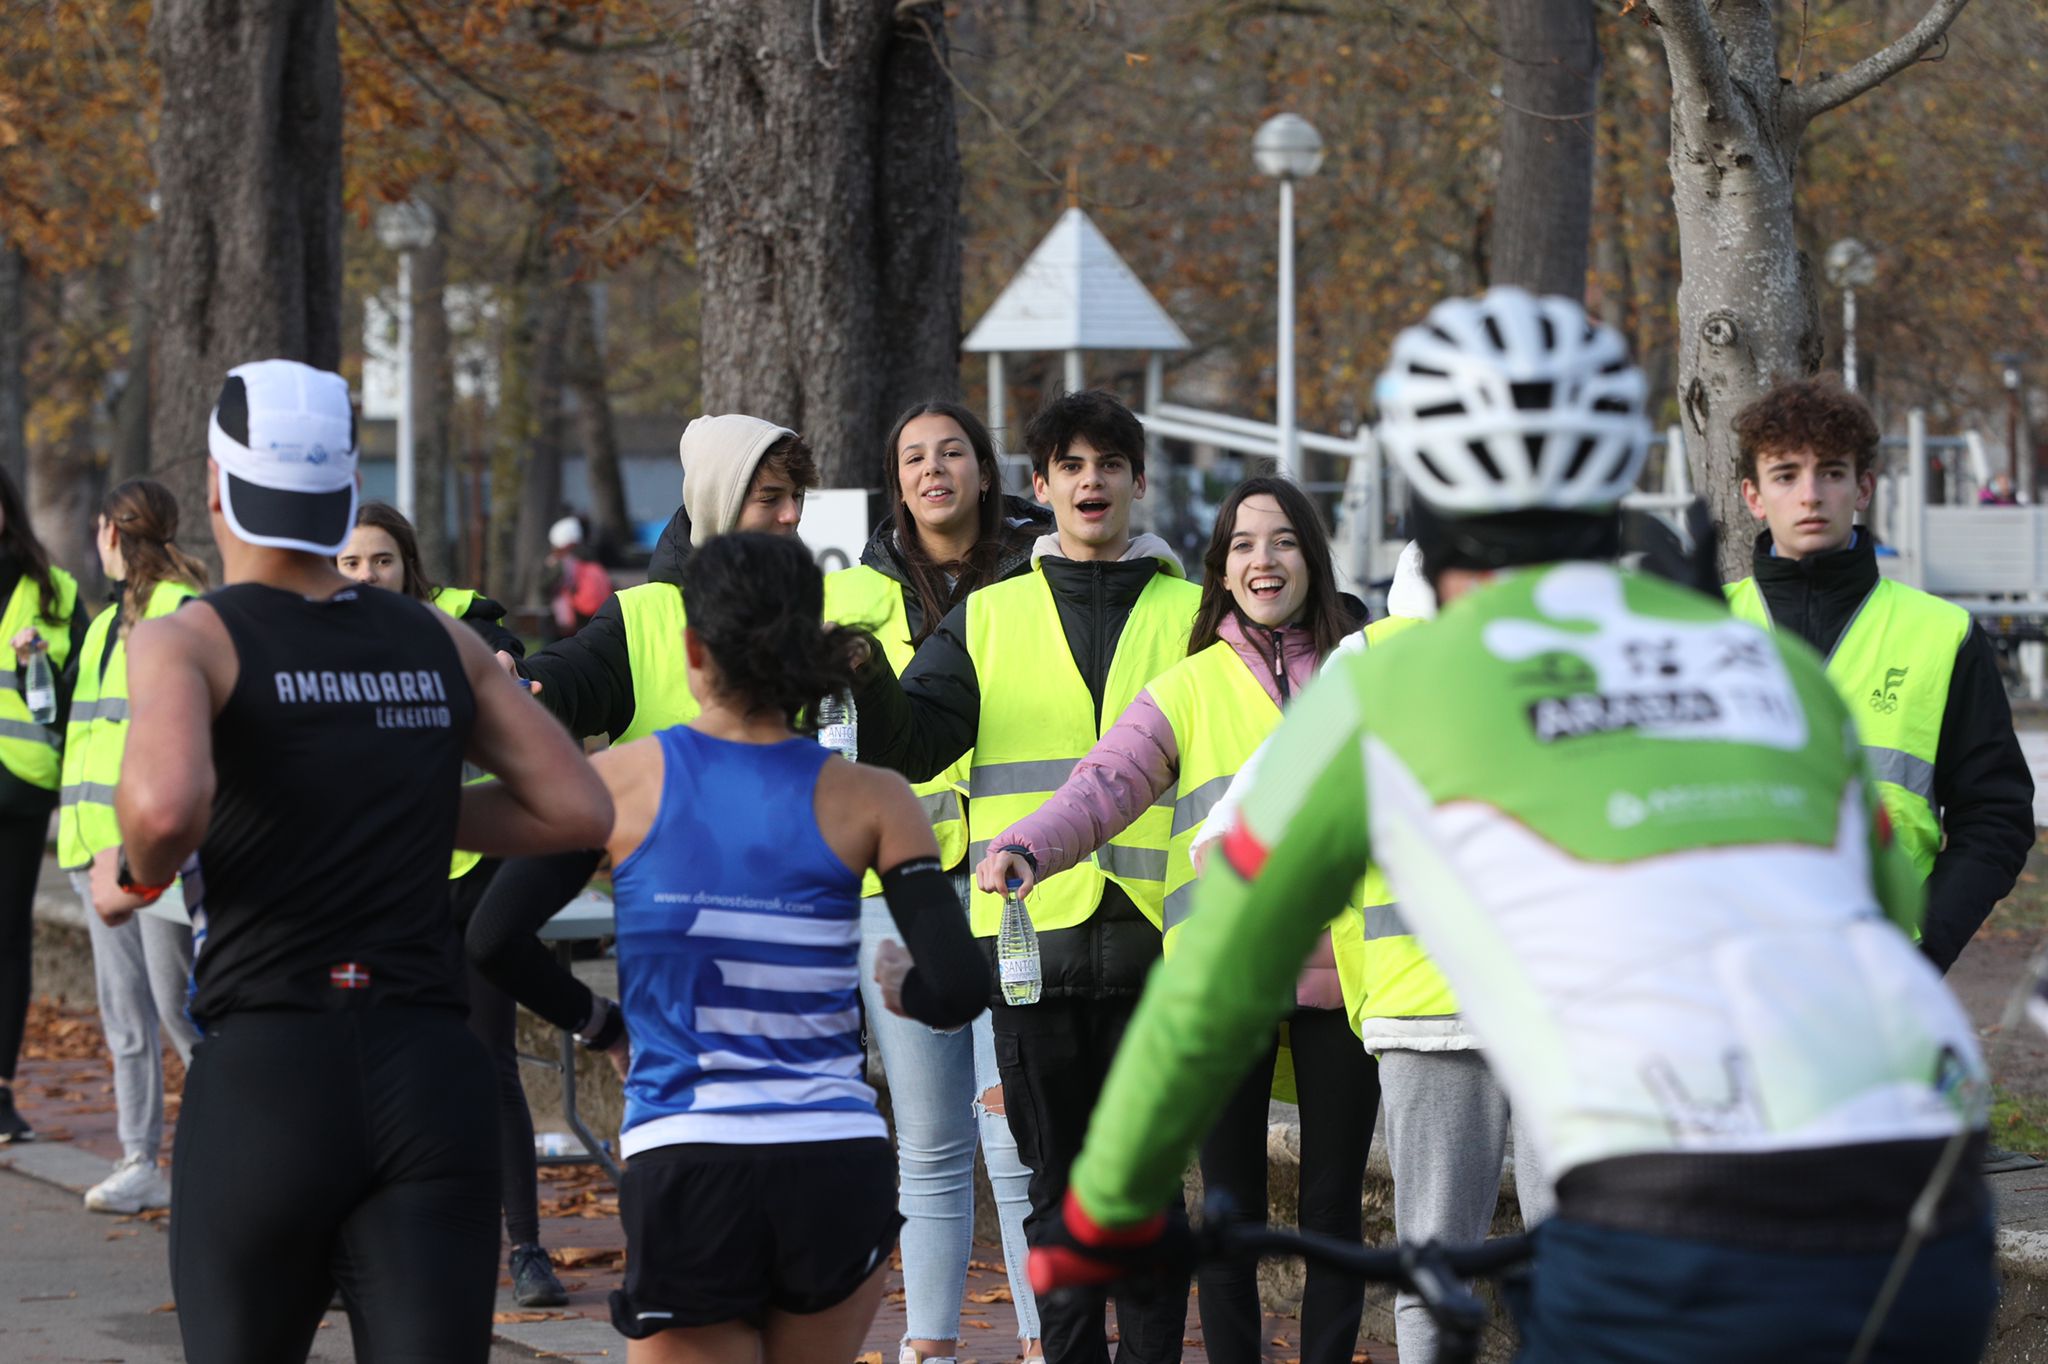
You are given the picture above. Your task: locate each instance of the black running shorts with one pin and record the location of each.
(731, 1233)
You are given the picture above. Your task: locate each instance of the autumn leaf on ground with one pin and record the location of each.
(163, 1307)
(992, 1295)
(893, 1295)
(871, 1357)
(977, 1323)
(505, 1318)
(584, 1257)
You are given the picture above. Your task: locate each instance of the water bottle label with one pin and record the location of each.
(839, 738)
(41, 698)
(1018, 970)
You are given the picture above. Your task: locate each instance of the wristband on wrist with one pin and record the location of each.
(125, 879)
(1023, 852)
(604, 1026)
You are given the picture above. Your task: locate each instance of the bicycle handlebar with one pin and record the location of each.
(1433, 1272)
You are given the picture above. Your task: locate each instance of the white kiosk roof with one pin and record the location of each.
(1075, 293)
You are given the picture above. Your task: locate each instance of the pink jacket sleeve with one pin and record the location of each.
(1129, 768)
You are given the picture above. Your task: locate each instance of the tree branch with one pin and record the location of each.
(1830, 92)
(1692, 47)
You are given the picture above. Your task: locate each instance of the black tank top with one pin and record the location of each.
(339, 764)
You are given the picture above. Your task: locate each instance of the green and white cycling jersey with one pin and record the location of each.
(1638, 837)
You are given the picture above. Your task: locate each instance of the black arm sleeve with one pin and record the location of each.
(948, 984)
(486, 617)
(526, 893)
(586, 680)
(921, 725)
(1986, 796)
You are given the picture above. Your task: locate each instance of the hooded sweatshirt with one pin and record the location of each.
(587, 679)
(1023, 522)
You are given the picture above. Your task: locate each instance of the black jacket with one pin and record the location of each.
(586, 680)
(487, 618)
(1983, 789)
(921, 725)
(1023, 523)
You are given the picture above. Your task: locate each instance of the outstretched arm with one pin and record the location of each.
(547, 798)
(1299, 846)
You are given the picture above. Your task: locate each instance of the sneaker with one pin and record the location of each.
(905, 1354)
(533, 1279)
(13, 1127)
(136, 1184)
(1999, 1161)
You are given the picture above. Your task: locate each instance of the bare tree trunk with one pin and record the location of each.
(433, 386)
(827, 175)
(129, 457)
(1550, 87)
(63, 467)
(1748, 314)
(13, 345)
(610, 527)
(248, 162)
(526, 465)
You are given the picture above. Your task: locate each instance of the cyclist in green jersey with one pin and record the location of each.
(1642, 843)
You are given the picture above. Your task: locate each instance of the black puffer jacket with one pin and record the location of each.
(922, 724)
(1982, 785)
(587, 679)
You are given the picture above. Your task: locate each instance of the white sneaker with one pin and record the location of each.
(135, 1185)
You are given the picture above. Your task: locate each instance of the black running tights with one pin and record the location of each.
(354, 1147)
(21, 861)
(494, 1018)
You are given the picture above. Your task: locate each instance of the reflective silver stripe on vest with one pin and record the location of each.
(106, 708)
(1179, 905)
(1194, 807)
(940, 807)
(87, 792)
(1136, 864)
(8, 677)
(1019, 779)
(471, 772)
(1385, 921)
(1901, 769)
(28, 732)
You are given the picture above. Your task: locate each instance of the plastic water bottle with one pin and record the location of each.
(839, 725)
(1017, 963)
(41, 689)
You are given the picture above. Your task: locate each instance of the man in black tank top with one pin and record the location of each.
(337, 1125)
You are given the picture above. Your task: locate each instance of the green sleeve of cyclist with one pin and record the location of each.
(1208, 1012)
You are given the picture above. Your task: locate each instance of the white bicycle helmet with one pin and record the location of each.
(1510, 402)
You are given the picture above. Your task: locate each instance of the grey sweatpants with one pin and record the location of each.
(140, 970)
(1446, 1129)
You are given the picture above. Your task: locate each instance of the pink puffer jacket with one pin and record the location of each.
(1138, 760)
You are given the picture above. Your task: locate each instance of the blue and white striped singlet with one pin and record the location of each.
(738, 937)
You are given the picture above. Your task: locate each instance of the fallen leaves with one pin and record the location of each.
(992, 1295)
(587, 1257)
(508, 1318)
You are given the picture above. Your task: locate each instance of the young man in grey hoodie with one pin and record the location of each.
(622, 675)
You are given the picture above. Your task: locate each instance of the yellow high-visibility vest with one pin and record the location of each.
(653, 615)
(1385, 972)
(1892, 667)
(97, 732)
(27, 749)
(453, 601)
(1038, 719)
(867, 599)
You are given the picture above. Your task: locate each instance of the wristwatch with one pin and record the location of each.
(125, 879)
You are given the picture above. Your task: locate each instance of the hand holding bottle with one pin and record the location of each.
(1001, 868)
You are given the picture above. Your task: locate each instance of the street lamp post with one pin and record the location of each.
(2009, 363)
(1287, 149)
(405, 228)
(1850, 267)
